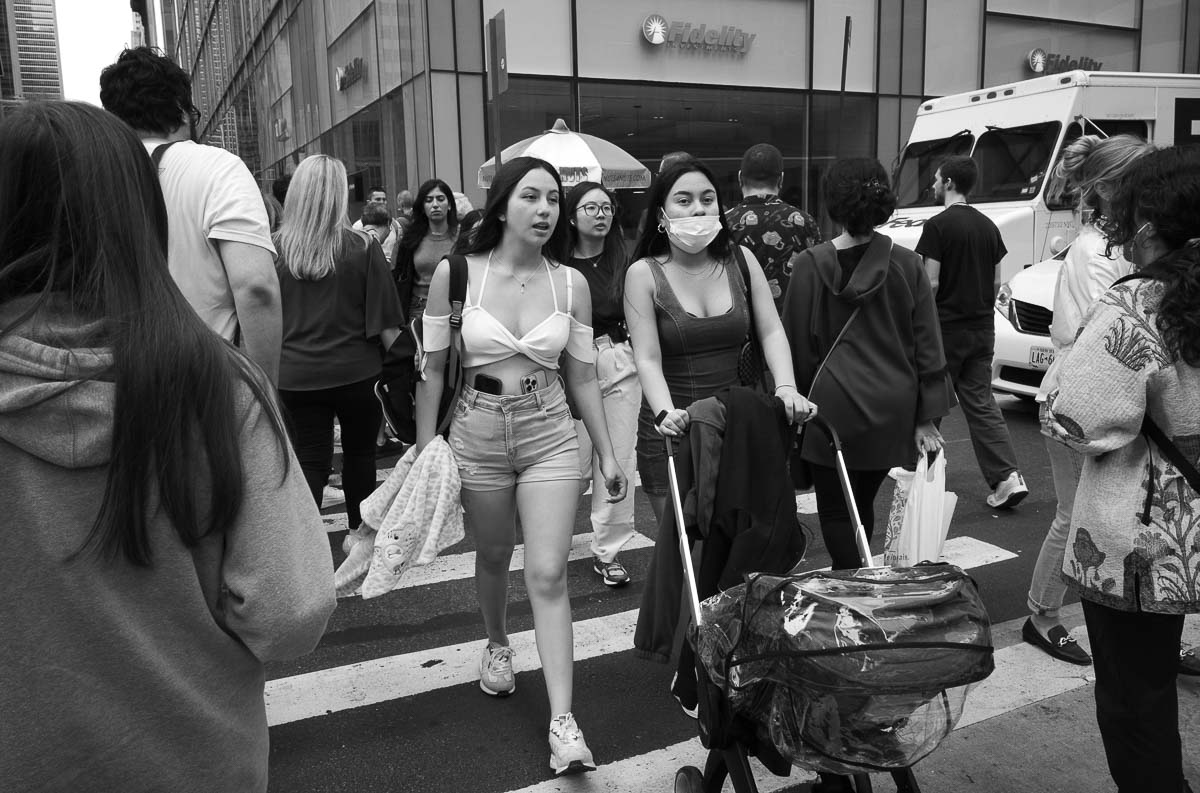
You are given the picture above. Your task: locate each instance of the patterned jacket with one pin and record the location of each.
(1135, 531)
(775, 232)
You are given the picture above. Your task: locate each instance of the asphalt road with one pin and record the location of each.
(454, 738)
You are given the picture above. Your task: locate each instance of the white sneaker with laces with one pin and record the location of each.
(495, 670)
(569, 753)
(1008, 493)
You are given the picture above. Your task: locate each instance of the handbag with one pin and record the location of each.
(926, 516)
(396, 388)
(751, 364)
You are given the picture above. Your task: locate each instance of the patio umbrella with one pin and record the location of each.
(578, 158)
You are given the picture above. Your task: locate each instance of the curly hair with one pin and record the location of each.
(1162, 188)
(857, 195)
(147, 91)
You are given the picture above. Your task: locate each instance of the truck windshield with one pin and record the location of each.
(913, 180)
(1013, 161)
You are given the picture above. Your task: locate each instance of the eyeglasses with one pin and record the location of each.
(596, 210)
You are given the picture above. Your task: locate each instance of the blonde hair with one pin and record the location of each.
(311, 235)
(1090, 159)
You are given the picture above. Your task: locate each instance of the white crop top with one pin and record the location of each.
(486, 339)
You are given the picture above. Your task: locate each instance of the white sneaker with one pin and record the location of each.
(569, 753)
(495, 670)
(1008, 493)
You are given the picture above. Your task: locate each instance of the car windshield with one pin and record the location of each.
(914, 176)
(1013, 161)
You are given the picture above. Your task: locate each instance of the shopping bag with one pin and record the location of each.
(928, 510)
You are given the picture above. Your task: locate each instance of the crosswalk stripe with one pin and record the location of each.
(967, 553)
(383, 679)
(456, 566)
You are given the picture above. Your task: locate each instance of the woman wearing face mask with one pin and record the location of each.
(1128, 399)
(686, 307)
(1092, 166)
(598, 252)
(426, 241)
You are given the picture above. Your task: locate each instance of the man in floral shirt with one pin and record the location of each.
(773, 229)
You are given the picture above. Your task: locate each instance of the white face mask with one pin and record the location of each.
(693, 234)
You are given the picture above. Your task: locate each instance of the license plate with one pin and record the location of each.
(1041, 357)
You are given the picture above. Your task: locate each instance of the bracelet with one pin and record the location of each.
(786, 385)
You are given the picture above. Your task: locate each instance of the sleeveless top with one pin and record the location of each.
(699, 354)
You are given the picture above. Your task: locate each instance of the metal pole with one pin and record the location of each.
(837, 150)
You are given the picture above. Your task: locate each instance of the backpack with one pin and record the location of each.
(396, 388)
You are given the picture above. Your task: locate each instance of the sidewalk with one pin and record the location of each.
(1049, 746)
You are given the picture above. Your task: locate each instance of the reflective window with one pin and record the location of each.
(913, 180)
(1013, 161)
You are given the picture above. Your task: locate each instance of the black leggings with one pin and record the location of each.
(311, 415)
(836, 526)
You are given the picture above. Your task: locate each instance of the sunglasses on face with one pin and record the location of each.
(596, 210)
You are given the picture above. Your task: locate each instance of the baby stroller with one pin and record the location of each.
(846, 672)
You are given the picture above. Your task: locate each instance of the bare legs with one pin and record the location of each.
(547, 511)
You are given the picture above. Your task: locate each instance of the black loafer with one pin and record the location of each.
(1189, 663)
(1059, 645)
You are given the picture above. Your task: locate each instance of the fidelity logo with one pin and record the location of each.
(687, 35)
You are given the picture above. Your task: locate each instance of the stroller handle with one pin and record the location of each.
(823, 424)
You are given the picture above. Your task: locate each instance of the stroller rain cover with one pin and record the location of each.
(850, 670)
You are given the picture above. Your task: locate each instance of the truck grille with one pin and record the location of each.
(1032, 318)
(1027, 377)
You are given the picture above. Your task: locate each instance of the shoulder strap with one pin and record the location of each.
(1172, 452)
(744, 271)
(1132, 277)
(458, 295)
(159, 151)
(841, 335)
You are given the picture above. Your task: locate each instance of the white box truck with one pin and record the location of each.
(1016, 133)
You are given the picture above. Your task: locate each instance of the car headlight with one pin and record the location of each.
(1004, 302)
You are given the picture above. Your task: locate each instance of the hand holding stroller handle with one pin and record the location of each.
(822, 423)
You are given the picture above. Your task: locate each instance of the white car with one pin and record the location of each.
(1024, 311)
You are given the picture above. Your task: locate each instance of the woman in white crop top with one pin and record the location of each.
(512, 432)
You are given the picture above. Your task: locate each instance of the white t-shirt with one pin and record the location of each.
(210, 196)
(395, 232)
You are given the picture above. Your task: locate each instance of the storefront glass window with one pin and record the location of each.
(716, 125)
(531, 105)
(841, 127)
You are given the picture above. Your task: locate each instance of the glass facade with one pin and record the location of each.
(396, 88)
(35, 33)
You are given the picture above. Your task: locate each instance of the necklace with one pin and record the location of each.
(512, 273)
(434, 235)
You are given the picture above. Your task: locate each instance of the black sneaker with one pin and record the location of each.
(613, 573)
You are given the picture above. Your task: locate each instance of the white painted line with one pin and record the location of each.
(462, 565)
(385, 679)
(967, 552)
(656, 771)
(454, 567)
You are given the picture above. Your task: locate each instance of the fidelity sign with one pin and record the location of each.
(687, 35)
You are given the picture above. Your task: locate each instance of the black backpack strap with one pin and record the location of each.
(158, 153)
(458, 297)
(1172, 452)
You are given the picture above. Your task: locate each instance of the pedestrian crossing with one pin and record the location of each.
(408, 681)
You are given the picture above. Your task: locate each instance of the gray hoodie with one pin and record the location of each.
(114, 677)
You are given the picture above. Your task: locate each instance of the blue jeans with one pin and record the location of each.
(621, 395)
(1047, 589)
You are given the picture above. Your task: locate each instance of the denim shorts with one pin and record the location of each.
(501, 441)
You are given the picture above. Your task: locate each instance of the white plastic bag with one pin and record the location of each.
(928, 510)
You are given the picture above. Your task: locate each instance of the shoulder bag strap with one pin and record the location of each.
(158, 153)
(744, 271)
(458, 296)
(1171, 452)
(841, 335)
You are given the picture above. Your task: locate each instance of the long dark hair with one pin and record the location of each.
(490, 231)
(653, 241)
(613, 258)
(419, 227)
(84, 221)
(1163, 188)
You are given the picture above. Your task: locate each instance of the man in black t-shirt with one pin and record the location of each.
(962, 249)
